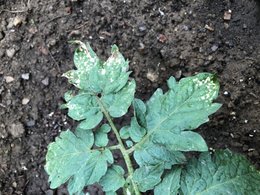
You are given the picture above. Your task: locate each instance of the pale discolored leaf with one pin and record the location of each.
(118, 103)
(108, 81)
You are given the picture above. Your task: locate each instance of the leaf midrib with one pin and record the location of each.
(223, 183)
(152, 130)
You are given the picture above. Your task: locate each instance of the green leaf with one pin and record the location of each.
(91, 122)
(170, 183)
(136, 132)
(118, 103)
(170, 116)
(101, 139)
(68, 95)
(152, 161)
(154, 154)
(140, 111)
(124, 132)
(113, 179)
(110, 193)
(184, 107)
(147, 177)
(129, 143)
(138, 123)
(183, 141)
(71, 159)
(225, 173)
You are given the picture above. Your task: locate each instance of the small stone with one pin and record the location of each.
(25, 76)
(17, 20)
(227, 15)
(209, 28)
(10, 52)
(32, 30)
(214, 48)
(25, 101)
(51, 42)
(14, 184)
(162, 38)
(152, 76)
(226, 25)
(142, 46)
(178, 74)
(16, 129)
(30, 123)
(45, 81)
(9, 79)
(142, 28)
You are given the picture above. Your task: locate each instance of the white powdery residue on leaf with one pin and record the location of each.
(103, 71)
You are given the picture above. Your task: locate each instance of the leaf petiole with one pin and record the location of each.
(121, 147)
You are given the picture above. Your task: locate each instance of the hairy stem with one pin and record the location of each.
(121, 147)
(115, 147)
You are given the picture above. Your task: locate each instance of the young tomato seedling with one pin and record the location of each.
(155, 141)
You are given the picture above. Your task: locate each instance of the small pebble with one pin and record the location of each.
(45, 81)
(16, 129)
(26, 76)
(162, 38)
(25, 101)
(10, 52)
(209, 28)
(9, 79)
(14, 184)
(30, 123)
(227, 15)
(142, 28)
(225, 93)
(178, 74)
(151, 76)
(17, 20)
(214, 48)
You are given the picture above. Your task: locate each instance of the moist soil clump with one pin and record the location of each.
(160, 38)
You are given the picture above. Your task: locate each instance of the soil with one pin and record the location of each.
(160, 38)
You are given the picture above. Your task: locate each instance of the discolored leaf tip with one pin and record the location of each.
(114, 49)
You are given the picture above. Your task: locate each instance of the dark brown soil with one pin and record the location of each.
(160, 38)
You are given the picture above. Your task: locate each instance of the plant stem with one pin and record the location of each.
(121, 147)
(115, 147)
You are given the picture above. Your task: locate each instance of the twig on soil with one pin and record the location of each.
(13, 11)
(55, 62)
(55, 18)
